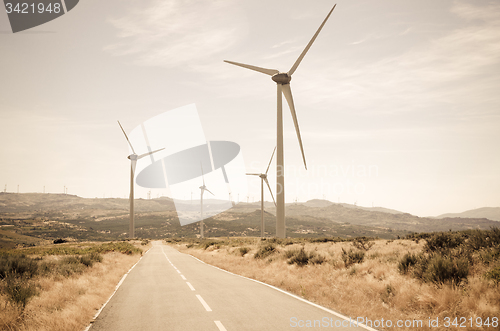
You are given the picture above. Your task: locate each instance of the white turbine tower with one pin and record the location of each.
(282, 80)
(263, 178)
(133, 158)
(203, 189)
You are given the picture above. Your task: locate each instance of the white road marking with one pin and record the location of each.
(178, 271)
(183, 278)
(220, 326)
(203, 302)
(190, 286)
(292, 295)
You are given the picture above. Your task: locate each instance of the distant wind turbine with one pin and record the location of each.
(133, 158)
(282, 80)
(203, 189)
(263, 178)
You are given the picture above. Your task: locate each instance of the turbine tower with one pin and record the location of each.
(133, 158)
(263, 178)
(282, 80)
(203, 189)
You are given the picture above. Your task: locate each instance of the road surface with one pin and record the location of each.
(169, 290)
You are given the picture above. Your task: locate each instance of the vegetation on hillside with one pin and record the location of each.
(445, 274)
(27, 273)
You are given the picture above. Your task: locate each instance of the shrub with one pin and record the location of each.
(299, 257)
(352, 257)
(19, 265)
(494, 275)
(19, 291)
(317, 259)
(243, 250)
(408, 260)
(442, 269)
(265, 251)
(89, 259)
(208, 243)
(363, 243)
(443, 241)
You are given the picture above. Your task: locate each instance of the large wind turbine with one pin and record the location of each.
(263, 178)
(203, 189)
(133, 158)
(282, 80)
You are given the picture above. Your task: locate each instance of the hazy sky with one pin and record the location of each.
(398, 101)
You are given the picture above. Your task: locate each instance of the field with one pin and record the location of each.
(60, 287)
(442, 275)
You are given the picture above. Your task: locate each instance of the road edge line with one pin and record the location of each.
(288, 293)
(112, 294)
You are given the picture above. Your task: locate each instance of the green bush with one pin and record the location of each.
(19, 291)
(208, 243)
(19, 265)
(363, 243)
(298, 257)
(407, 261)
(316, 259)
(89, 259)
(494, 275)
(441, 269)
(243, 250)
(443, 241)
(352, 257)
(265, 251)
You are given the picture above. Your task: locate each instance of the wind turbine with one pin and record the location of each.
(133, 158)
(203, 189)
(263, 178)
(282, 80)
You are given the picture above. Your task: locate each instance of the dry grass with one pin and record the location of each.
(373, 288)
(68, 303)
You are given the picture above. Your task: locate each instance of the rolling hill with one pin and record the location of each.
(492, 213)
(51, 216)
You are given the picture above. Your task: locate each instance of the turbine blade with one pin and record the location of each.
(126, 137)
(146, 154)
(267, 182)
(269, 72)
(252, 174)
(296, 64)
(288, 95)
(209, 191)
(271, 160)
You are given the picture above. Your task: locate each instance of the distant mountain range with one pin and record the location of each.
(491, 213)
(48, 216)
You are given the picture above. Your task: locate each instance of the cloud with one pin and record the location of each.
(457, 67)
(176, 32)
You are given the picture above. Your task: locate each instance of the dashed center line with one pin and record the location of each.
(178, 271)
(182, 276)
(203, 302)
(190, 286)
(220, 326)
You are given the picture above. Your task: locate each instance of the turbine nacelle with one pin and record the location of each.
(282, 78)
(133, 157)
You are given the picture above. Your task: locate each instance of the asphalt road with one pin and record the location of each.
(168, 290)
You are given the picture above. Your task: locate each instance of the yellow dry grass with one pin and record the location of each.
(68, 303)
(373, 289)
